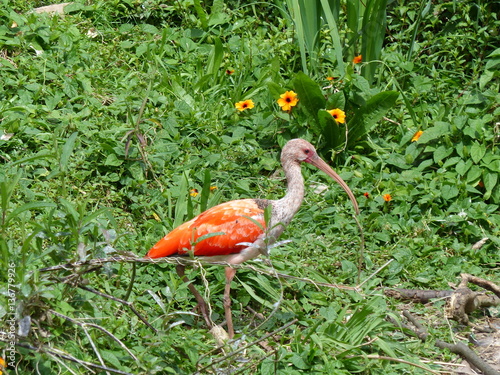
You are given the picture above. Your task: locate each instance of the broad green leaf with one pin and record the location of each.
(462, 167)
(367, 116)
(441, 153)
(333, 134)
(477, 152)
(309, 93)
(398, 161)
(474, 173)
(490, 180)
(337, 100)
(275, 90)
(449, 191)
(112, 160)
(438, 130)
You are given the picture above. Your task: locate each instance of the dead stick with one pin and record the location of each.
(463, 350)
(488, 285)
(458, 348)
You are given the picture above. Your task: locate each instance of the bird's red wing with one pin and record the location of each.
(230, 219)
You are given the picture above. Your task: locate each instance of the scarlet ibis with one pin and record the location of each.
(239, 230)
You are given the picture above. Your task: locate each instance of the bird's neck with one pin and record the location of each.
(290, 203)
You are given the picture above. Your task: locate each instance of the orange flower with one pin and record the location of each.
(245, 104)
(3, 365)
(288, 100)
(338, 115)
(193, 192)
(229, 71)
(417, 135)
(212, 188)
(387, 197)
(357, 59)
(367, 195)
(330, 78)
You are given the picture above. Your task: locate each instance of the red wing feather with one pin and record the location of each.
(230, 218)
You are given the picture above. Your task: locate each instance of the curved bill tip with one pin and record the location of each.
(321, 164)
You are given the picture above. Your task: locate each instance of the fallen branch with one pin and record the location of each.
(461, 301)
(459, 348)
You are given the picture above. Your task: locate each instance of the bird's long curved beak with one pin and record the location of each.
(320, 164)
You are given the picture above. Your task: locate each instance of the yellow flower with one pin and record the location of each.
(288, 100)
(212, 188)
(193, 192)
(338, 115)
(3, 365)
(357, 59)
(229, 71)
(245, 104)
(387, 197)
(417, 135)
(330, 78)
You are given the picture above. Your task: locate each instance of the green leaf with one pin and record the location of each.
(275, 90)
(112, 160)
(434, 132)
(477, 152)
(441, 153)
(310, 95)
(490, 180)
(368, 116)
(337, 100)
(252, 293)
(334, 33)
(202, 15)
(215, 57)
(67, 150)
(474, 173)
(449, 191)
(205, 192)
(333, 134)
(373, 28)
(462, 167)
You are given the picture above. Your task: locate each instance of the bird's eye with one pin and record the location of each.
(307, 151)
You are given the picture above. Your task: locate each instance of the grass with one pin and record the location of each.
(111, 115)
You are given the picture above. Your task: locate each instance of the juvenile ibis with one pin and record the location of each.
(243, 232)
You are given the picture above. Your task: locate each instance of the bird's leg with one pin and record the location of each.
(230, 272)
(201, 302)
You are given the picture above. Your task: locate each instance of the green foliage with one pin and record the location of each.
(112, 115)
(363, 32)
(363, 108)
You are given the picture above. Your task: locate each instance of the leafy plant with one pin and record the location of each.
(363, 33)
(364, 110)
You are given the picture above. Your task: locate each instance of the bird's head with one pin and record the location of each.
(299, 150)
